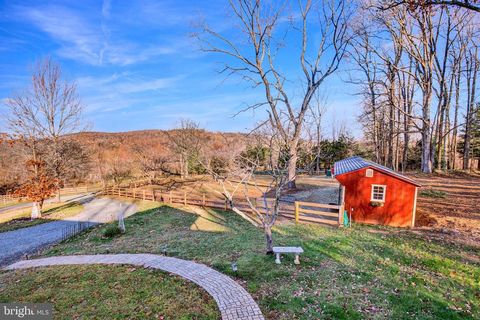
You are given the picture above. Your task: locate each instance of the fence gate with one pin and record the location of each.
(319, 213)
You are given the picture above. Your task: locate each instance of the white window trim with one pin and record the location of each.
(384, 192)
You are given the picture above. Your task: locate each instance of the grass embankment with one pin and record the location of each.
(20, 218)
(109, 292)
(357, 273)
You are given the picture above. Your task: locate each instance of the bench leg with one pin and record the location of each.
(277, 259)
(297, 259)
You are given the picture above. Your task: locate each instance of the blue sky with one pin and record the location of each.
(137, 66)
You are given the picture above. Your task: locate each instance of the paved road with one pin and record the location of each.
(16, 244)
(29, 204)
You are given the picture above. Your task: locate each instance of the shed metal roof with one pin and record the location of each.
(355, 163)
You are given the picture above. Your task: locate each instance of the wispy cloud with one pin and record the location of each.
(107, 4)
(125, 83)
(89, 40)
(80, 41)
(122, 91)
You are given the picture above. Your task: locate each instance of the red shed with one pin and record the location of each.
(376, 194)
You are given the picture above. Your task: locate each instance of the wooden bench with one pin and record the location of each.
(295, 250)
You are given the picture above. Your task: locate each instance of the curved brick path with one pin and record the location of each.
(233, 300)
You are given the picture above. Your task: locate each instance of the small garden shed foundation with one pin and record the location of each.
(375, 194)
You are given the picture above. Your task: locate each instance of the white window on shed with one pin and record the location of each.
(369, 173)
(378, 193)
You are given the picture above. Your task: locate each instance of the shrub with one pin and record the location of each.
(112, 231)
(432, 193)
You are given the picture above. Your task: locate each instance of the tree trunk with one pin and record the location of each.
(268, 238)
(406, 141)
(391, 140)
(186, 168)
(446, 135)
(36, 211)
(446, 146)
(426, 152)
(391, 117)
(406, 138)
(181, 167)
(407, 120)
(439, 137)
(292, 166)
(471, 86)
(455, 122)
(426, 135)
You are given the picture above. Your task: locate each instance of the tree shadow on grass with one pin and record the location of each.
(61, 208)
(413, 281)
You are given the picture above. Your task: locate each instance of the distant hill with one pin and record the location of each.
(125, 153)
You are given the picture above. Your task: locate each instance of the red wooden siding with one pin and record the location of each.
(399, 198)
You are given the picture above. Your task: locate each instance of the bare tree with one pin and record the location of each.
(258, 45)
(412, 64)
(386, 84)
(418, 31)
(188, 140)
(73, 161)
(472, 68)
(415, 4)
(316, 113)
(240, 178)
(153, 164)
(45, 113)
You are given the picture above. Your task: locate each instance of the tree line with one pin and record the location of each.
(415, 64)
(417, 67)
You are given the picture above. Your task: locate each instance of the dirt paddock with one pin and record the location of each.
(455, 213)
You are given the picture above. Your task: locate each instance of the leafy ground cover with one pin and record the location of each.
(17, 219)
(356, 273)
(108, 292)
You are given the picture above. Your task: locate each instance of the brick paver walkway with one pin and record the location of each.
(232, 299)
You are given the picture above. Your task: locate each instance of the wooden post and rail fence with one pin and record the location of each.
(7, 198)
(299, 211)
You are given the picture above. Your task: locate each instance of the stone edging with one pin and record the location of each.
(233, 300)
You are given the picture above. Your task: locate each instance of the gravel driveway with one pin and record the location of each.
(325, 195)
(17, 243)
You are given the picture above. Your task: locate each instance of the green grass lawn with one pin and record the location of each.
(53, 211)
(108, 292)
(357, 273)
